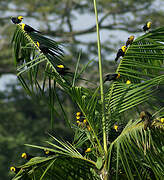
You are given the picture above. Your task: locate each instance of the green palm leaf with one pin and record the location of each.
(135, 150)
(142, 65)
(66, 163)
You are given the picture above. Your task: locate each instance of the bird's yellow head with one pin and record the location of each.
(37, 43)
(115, 127)
(118, 76)
(88, 150)
(24, 155)
(131, 38)
(128, 82)
(23, 25)
(162, 120)
(46, 151)
(20, 18)
(78, 122)
(61, 66)
(149, 24)
(13, 169)
(85, 121)
(123, 48)
(77, 117)
(78, 114)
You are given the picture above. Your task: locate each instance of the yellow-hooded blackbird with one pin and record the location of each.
(110, 77)
(147, 26)
(27, 156)
(28, 28)
(44, 49)
(129, 41)
(15, 169)
(120, 52)
(17, 20)
(62, 70)
(147, 118)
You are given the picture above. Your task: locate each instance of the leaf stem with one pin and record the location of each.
(101, 80)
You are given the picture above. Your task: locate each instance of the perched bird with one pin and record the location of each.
(17, 20)
(28, 28)
(129, 41)
(44, 49)
(110, 77)
(147, 26)
(62, 70)
(120, 53)
(15, 169)
(27, 156)
(49, 153)
(147, 118)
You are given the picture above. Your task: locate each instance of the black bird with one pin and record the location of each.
(147, 118)
(147, 26)
(62, 70)
(120, 53)
(28, 28)
(129, 41)
(15, 169)
(17, 20)
(27, 156)
(110, 77)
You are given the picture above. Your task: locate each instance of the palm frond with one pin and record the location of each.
(135, 150)
(66, 163)
(143, 66)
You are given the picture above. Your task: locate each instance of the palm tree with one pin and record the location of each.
(98, 151)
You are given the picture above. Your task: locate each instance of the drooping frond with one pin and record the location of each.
(34, 67)
(65, 163)
(136, 152)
